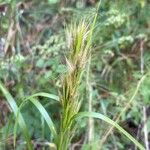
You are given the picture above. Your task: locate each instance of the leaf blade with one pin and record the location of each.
(14, 108)
(108, 120)
(45, 115)
(43, 94)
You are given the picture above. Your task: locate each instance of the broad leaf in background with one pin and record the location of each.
(142, 2)
(52, 1)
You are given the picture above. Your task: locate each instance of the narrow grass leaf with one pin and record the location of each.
(43, 94)
(14, 108)
(30, 98)
(45, 115)
(113, 123)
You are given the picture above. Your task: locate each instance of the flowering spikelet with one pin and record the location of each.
(77, 39)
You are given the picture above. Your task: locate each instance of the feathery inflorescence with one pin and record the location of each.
(77, 40)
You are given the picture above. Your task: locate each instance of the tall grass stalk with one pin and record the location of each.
(77, 35)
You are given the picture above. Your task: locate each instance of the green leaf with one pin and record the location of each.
(43, 94)
(40, 63)
(113, 123)
(40, 108)
(142, 2)
(61, 69)
(52, 1)
(15, 109)
(45, 115)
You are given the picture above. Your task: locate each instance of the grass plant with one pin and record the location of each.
(69, 98)
(79, 40)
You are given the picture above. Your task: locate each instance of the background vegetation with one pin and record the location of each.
(32, 59)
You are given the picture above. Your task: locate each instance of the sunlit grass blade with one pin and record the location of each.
(45, 115)
(47, 118)
(43, 94)
(89, 41)
(113, 123)
(14, 108)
